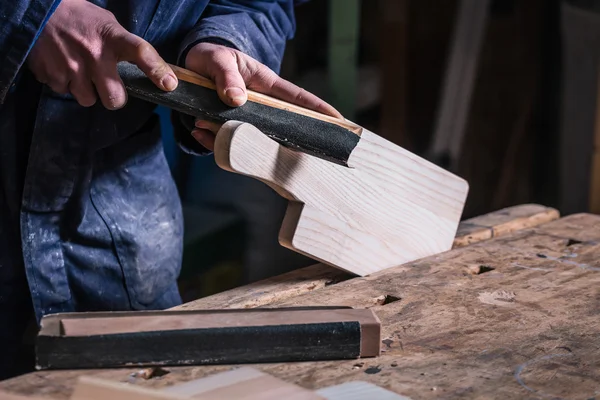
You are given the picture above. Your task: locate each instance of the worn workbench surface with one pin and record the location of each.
(515, 316)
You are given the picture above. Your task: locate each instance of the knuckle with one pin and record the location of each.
(108, 29)
(74, 67)
(94, 51)
(300, 96)
(264, 76)
(143, 49)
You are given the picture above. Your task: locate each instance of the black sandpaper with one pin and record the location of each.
(312, 136)
(231, 345)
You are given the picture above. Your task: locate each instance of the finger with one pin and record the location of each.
(134, 49)
(221, 65)
(213, 127)
(205, 138)
(83, 91)
(59, 84)
(110, 87)
(269, 83)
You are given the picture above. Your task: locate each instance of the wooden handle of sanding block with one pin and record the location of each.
(192, 77)
(292, 126)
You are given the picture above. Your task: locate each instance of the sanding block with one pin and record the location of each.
(356, 201)
(319, 135)
(150, 338)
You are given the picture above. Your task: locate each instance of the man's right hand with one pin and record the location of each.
(78, 51)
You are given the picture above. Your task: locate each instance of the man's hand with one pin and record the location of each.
(78, 51)
(233, 72)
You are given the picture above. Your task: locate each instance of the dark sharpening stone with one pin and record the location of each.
(230, 345)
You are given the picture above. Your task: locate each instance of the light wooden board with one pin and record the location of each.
(88, 388)
(358, 391)
(389, 207)
(242, 384)
(315, 277)
(237, 384)
(251, 384)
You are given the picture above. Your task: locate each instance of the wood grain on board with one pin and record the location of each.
(525, 326)
(389, 207)
(318, 276)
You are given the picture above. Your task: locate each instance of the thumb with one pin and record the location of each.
(136, 50)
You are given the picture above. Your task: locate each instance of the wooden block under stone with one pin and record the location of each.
(147, 338)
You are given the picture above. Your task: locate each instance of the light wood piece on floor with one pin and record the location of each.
(242, 384)
(359, 390)
(88, 388)
(388, 208)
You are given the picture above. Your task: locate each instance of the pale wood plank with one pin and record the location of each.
(242, 384)
(358, 391)
(389, 207)
(89, 388)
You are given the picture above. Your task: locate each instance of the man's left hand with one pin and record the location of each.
(233, 72)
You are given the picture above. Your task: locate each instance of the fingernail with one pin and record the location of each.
(236, 95)
(169, 82)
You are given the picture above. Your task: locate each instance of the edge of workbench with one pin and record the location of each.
(262, 293)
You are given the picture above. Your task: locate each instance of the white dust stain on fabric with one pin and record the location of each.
(501, 298)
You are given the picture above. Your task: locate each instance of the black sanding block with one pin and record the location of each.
(310, 135)
(149, 338)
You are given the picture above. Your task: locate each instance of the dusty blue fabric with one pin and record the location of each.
(90, 218)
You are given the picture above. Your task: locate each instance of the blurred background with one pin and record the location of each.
(500, 92)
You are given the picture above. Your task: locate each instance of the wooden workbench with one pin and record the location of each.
(512, 312)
